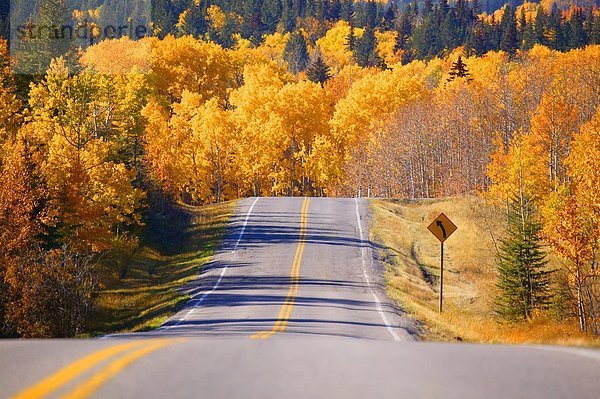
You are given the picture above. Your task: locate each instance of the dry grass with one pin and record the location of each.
(149, 293)
(411, 256)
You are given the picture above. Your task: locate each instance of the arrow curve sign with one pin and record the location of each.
(442, 228)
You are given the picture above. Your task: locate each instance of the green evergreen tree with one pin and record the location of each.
(351, 39)
(163, 20)
(405, 28)
(335, 11)
(425, 38)
(194, 23)
(253, 27)
(311, 8)
(478, 41)
(390, 16)
(529, 38)
(318, 71)
(459, 70)
(557, 37)
(540, 26)
(523, 280)
(35, 53)
(521, 25)
(595, 36)
(407, 57)
(449, 30)
(365, 53)
(4, 15)
(296, 53)
(509, 41)
(271, 14)
(577, 34)
(347, 10)
(288, 18)
(371, 14)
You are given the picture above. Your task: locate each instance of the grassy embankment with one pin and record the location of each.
(411, 253)
(144, 293)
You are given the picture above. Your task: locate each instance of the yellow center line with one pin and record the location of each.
(68, 373)
(286, 309)
(95, 382)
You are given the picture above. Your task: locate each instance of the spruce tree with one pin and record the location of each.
(523, 280)
(577, 34)
(271, 14)
(595, 36)
(557, 38)
(351, 39)
(192, 22)
(371, 19)
(35, 53)
(347, 10)
(319, 72)
(449, 31)
(529, 38)
(509, 41)
(540, 26)
(288, 18)
(296, 53)
(365, 53)
(389, 18)
(459, 70)
(335, 11)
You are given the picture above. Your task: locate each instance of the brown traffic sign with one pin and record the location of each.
(442, 227)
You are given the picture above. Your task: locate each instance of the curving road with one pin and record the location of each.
(292, 306)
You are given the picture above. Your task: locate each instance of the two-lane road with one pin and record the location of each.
(295, 266)
(292, 306)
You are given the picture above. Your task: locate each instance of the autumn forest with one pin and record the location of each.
(426, 100)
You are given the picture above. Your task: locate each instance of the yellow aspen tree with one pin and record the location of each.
(94, 196)
(552, 128)
(213, 137)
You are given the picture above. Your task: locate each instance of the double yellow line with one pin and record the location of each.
(286, 309)
(131, 351)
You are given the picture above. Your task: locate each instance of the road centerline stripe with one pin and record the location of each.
(96, 381)
(286, 309)
(50, 384)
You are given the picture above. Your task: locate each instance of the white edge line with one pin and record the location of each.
(364, 269)
(197, 302)
(582, 352)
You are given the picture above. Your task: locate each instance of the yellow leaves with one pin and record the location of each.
(216, 17)
(9, 104)
(518, 172)
(119, 56)
(584, 167)
(180, 64)
(373, 99)
(334, 45)
(386, 44)
(272, 47)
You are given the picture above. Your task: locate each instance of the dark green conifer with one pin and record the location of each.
(523, 280)
(296, 53)
(459, 70)
(318, 71)
(577, 34)
(509, 41)
(365, 53)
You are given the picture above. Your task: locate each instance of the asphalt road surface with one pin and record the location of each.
(292, 306)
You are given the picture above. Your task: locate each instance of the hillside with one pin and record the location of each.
(410, 254)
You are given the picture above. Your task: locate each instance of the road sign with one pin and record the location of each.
(442, 227)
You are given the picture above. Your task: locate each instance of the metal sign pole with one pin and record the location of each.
(442, 278)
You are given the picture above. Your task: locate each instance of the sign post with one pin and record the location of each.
(442, 228)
